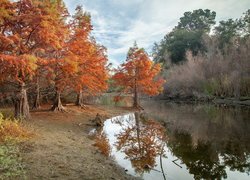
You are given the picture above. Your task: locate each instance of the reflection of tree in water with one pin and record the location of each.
(204, 159)
(102, 142)
(208, 148)
(201, 161)
(141, 142)
(236, 156)
(208, 139)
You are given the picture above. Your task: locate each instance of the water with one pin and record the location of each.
(171, 141)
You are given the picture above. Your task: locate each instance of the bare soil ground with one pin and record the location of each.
(62, 149)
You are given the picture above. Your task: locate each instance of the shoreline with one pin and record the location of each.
(62, 148)
(232, 102)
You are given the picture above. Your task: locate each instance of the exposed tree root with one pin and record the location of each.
(58, 107)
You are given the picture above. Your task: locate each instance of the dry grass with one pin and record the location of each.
(13, 130)
(216, 74)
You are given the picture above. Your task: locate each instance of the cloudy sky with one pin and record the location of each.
(118, 23)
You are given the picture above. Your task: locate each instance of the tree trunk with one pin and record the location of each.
(136, 98)
(135, 105)
(21, 104)
(79, 100)
(36, 104)
(58, 104)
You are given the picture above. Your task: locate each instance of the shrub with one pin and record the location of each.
(102, 143)
(12, 130)
(215, 73)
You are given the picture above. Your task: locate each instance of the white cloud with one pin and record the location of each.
(118, 23)
(117, 51)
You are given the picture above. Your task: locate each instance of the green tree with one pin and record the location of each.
(226, 30)
(231, 29)
(182, 40)
(187, 35)
(245, 20)
(198, 20)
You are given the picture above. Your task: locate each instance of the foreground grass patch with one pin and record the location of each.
(10, 162)
(12, 132)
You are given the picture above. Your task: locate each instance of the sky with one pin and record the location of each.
(119, 23)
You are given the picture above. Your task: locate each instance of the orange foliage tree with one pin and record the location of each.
(52, 35)
(80, 64)
(90, 57)
(26, 31)
(60, 73)
(37, 41)
(139, 74)
(17, 71)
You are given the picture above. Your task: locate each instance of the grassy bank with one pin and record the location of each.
(12, 133)
(10, 162)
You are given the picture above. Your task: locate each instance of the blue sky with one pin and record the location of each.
(118, 23)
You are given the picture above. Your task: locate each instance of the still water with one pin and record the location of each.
(173, 141)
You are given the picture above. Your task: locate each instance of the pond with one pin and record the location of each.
(179, 141)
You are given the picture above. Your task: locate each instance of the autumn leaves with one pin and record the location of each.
(41, 41)
(139, 75)
(41, 46)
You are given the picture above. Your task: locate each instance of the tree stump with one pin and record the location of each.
(98, 120)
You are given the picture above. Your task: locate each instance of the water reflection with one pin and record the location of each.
(194, 142)
(142, 142)
(201, 160)
(205, 160)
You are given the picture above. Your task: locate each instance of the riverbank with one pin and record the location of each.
(244, 101)
(107, 98)
(62, 148)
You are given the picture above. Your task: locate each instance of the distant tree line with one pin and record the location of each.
(204, 60)
(191, 31)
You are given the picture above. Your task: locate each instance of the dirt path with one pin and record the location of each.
(62, 150)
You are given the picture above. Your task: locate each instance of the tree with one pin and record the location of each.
(187, 35)
(230, 31)
(139, 75)
(245, 20)
(28, 28)
(198, 20)
(61, 66)
(45, 45)
(90, 57)
(60, 73)
(226, 31)
(93, 75)
(39, 74)
(52, 34)
(18, 71)
(182, 40)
